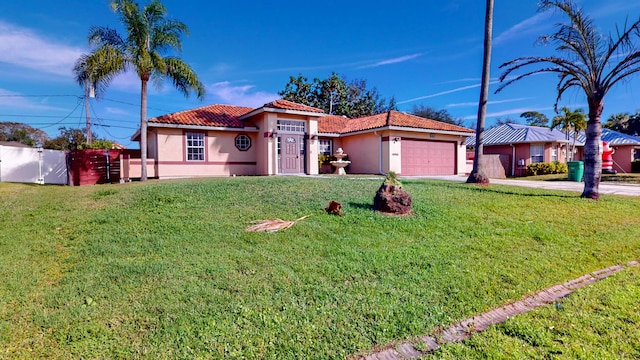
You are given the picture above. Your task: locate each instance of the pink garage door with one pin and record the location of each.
(423, 157)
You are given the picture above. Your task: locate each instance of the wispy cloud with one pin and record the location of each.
(533, 25)
(362, 64)
(518, 111)
(15, 101)
(445, 92)
(240, 95)
(117, 111)
(22, 47)
(397, 60)
(467, 104)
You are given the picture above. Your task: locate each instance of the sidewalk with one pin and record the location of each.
(605, 188)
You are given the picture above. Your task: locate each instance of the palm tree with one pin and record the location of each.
(149, 36)
(588, 61)
(570, 121)
(478, 174)
(618, 122)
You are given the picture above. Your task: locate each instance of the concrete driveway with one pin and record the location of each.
(605, 188)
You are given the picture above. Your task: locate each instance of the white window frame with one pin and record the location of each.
(195, 146)
(292, 126)
(536, 153)
(554, 153)
(325, 146)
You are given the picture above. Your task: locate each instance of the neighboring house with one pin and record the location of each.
(284, 137)
(627, 148)
(521, 145)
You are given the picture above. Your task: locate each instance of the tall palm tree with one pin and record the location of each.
(588, 61)
(570, 121)
(478, 174)
(149, 36)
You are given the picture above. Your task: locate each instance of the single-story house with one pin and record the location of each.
(627, 148)
(521, 145)
(283, 137)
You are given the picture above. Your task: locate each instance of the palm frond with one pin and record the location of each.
(183, 77)
(273, 225)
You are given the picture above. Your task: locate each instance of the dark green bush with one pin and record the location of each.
(545, 168)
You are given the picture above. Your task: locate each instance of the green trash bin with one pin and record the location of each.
(576, 170)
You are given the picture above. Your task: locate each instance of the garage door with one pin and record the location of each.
(423, 157)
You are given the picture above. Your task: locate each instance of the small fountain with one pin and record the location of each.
(339, 163)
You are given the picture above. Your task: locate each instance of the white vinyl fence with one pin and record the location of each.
(31, 165)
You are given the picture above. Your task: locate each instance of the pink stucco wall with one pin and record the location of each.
(222, 158)
(622, 158)
(364, 152)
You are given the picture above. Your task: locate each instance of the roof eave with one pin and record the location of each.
(402, 128)
(202, 127)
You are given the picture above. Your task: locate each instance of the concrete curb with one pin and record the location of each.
(466, 328)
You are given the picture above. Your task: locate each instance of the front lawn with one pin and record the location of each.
(167, 270)
(601, 321)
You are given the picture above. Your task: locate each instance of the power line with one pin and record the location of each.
(66, 117)
(136, 105)
(55, 117)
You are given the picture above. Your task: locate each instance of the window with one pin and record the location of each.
(554, 153)
(195, 146)
(325, 147)
(243, 142)
(537, 153)
(291, 126)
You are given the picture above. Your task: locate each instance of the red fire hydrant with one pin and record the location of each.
(607, 159)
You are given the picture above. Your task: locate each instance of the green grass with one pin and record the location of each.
(601, 321)
(166, 269)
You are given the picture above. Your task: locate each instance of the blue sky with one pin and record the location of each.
(421, 52)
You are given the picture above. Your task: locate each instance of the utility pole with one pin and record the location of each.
(87, 93)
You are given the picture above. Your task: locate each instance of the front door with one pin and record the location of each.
(290, 154)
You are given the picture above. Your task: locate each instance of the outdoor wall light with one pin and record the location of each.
(396, 139)
(274, 135)
(314, 137)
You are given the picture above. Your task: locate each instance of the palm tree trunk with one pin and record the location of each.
(143, 130)
(478, 174)
(592, 155)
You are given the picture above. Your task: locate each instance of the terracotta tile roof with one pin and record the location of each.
(290, 105)
(337, 124)
(405, 120)
(211, 115)
(332, 124)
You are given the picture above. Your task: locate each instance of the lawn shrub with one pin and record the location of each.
(546, 168)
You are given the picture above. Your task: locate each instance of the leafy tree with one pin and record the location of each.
(479, 174)
(534, 118)
(335, 95)
(570, 121)
(149, 36)
(22, 133)
(429, 112)
(588, 61)
(69, 139)
(507, 120)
